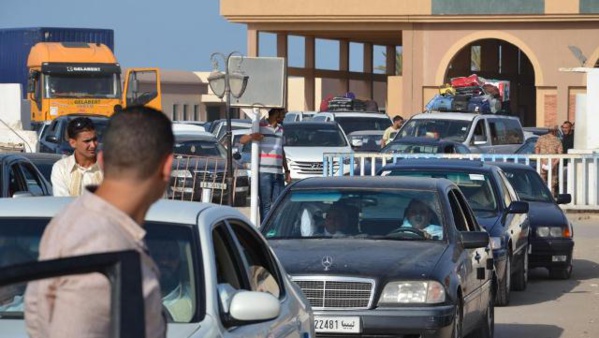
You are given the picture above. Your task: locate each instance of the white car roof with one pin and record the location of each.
(187, 127)
(355, 114)
(454, 116)
(168, 211)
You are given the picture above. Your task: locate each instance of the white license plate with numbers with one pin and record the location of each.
(337, 324)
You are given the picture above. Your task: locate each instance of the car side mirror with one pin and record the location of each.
(20, 194)
(518, 207)
(245, 307)
(563, 199)
(479, 140)
(52, 139)
(236, 155)
(475, 239)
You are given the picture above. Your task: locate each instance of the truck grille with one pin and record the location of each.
(330, 293)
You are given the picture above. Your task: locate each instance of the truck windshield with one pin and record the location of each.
(105, 86)
(455, 130)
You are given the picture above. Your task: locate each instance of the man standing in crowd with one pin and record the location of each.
(73, 173)
(387, 135)
(136, 158)
(273, 170)
(568, 136)
(549, 144)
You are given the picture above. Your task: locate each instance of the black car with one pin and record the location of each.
(19, 177)
(551, 236)
(496, 206)
(54, 138)
(376, 276)
(426, 145)
(200, 163)
(411, 146)
(43, 162)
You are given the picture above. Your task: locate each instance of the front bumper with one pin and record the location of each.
(433, 321)
(550, 252)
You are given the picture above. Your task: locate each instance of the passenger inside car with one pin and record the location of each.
(11, 296)
(418, 215)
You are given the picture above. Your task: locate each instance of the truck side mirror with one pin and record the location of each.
(33, 77)
(135, 86)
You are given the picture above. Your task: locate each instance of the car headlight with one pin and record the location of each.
(181, 173)
(408, 292)
(553, 232)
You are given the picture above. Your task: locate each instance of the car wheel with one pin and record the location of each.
(504, 285)
(457, 320)
(487, 325)
(562, 272)
(521, 278)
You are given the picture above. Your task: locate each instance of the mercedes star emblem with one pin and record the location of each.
(327, 261)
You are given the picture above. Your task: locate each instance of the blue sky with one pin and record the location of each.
(171, 34)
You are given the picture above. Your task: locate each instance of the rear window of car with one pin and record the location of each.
(529, 185)
(314, 135)
(476, 187)
(200, 148)
(354, 123)
(454, 130)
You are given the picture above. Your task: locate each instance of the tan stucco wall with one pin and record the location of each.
(316, 8)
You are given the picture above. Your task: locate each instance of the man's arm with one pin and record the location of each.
(59, 178)
(251, 137)
(286, 170)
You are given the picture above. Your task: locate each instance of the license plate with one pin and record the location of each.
(337, 324)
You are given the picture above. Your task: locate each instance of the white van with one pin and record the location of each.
(482, 133)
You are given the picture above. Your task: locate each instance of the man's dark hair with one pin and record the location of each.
(79, 125)
(136, 140)
(397, 118)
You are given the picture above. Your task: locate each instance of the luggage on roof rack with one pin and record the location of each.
(344, 103)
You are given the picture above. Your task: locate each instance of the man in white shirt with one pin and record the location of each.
(388, 134)
(72, 174)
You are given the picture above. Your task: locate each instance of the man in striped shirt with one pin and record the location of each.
(273, 170)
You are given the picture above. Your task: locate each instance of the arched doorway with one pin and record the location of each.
(501, 60)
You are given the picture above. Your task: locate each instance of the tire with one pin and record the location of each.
(457, 320)
(521, 278)
(503, 286)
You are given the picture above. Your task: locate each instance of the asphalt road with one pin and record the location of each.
(559, 308)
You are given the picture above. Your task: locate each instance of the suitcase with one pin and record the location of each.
(467, 81)
(460, 103)
(479, 104)
(440, 103)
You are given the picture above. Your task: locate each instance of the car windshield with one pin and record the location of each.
(529, 185)
(407, 148)
(314, 135)
(19, 243)
(200, 148)
(454, 130)
(354, 123)
(476, 187)
(364, 214)
(104, 85)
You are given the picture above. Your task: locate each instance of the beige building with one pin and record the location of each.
(525, 42)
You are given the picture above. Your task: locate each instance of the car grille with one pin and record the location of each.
(337, 292)
(312, 168)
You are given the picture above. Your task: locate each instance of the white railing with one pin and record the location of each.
(579, 179)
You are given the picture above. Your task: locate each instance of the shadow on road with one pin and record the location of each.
(527, 330)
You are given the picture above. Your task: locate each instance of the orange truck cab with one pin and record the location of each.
(83, 78)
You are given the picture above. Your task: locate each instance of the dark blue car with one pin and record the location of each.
(551, 236)
(496, 206)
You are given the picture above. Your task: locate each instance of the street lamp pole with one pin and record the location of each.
(224, 85)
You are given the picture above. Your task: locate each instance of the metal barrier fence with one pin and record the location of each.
(203, 178)
(579, 174)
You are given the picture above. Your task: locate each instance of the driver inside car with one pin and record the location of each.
(418, 215)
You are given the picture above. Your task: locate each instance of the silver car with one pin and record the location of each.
(219, 278)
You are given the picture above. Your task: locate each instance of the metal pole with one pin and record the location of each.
(229, 179)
